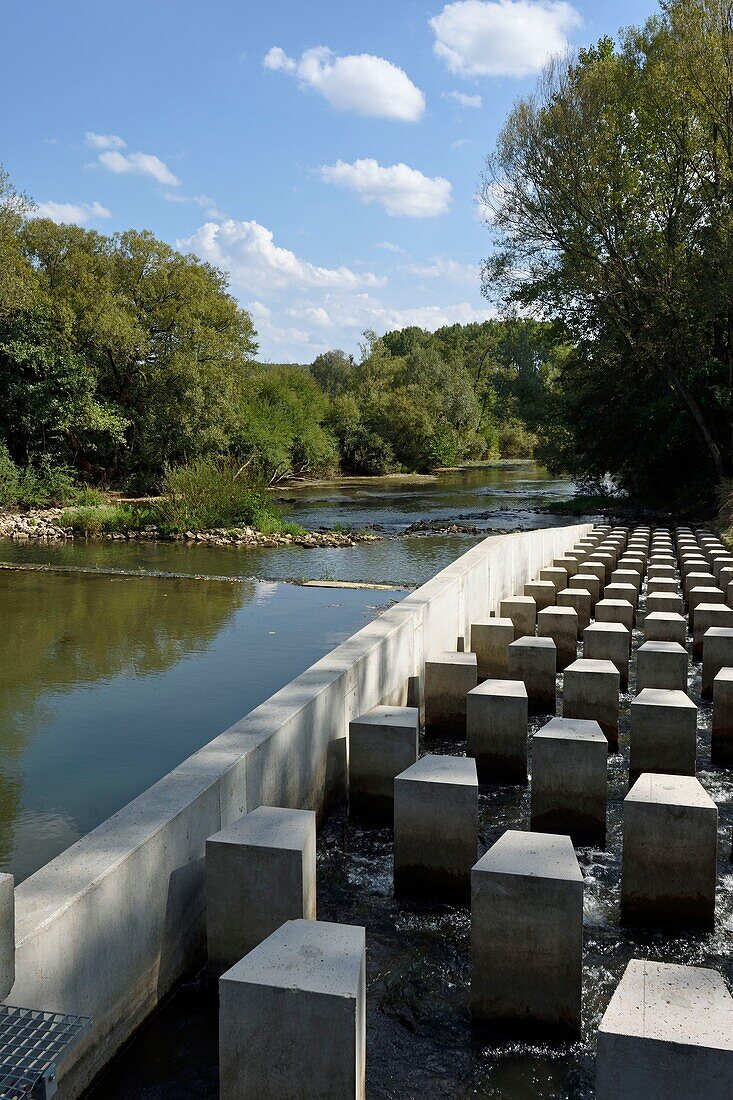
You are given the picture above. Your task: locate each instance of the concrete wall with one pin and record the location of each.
(109, 926)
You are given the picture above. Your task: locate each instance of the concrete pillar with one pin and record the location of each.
(534, 661)
(729, 594)
(696, 579)
(558, 576)
(609, 642)
(568, 562)
(560, 624)
(626, 576)
(607, 559)
(663, 733)
(382, 743)
(436, 827)
(569, 780)
(669, 866)
(597, 569)
(589, 583)
(260, 872)
(703, 595)
(615, 611)
(448, 679)
(722, 734)
(667, 1032)
(662, 572)
(622, 592)
(705, 616)
(490, 641)
(580, 599)
(661, 665)
(522, 610)
(527, 933)
(496, 730)
(661, 584)
(717, 653)
(665, 626)
(724, 578)
(590, 691)
(292, 1016)
(7, 934)
(668, 602)
(542, 592)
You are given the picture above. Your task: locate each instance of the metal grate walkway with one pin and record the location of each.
(32, 1044)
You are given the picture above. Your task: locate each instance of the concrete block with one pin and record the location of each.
(729, 594)
(717, 653)
(622, 592)
(722, 733)
(724, 578)
(663, 733)
(609, 642)
(661, 584)
(496, 730)
(260, 872)
(527, 933)
(626, 576)
(590, 691)
(490, 641)
(534, 661)
(696, 580)
(436, 827)
(579, 599)
(448, 680)
(568, 562)
(705, 616)
(7, 934)
(703, 595)
(589, 583)
(595, 568)
(292, 1016)
(669, 868)
(558, 576)
(569, 780)
(607, 559)
(667, 1032)
(659, 572)
(665, 626)
(636, 562)
(542, 592)
(668, 602)
(560, 624)
(522, 610)
(615, 611)
(382, 743)
(661, 665)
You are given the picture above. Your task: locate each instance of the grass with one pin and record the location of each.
(106, 519)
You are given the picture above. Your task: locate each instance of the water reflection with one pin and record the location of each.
(108, 682)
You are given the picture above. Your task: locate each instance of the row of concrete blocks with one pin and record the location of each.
(293, 1009)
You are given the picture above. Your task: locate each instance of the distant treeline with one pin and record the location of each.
(121, 358)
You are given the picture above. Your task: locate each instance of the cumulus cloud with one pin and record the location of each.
(247, 250)
(362, 83)
(441, 267)
(501, 37)
(399, 189)
(71, 213)
(103, 141)
(141, 164)
(463, 99)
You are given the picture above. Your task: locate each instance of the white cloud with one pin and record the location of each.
(142, 164)
(247, 250)
(463, 99)
(390, 246)
(460, 143)
(103, 141)
(71, 213)
(207, 203)
(441, 267)
(501, 37)
(362, 83)
(399, 189)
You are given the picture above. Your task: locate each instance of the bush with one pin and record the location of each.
(91, 520)
(208, 493)
(34, 486)
(515, 440)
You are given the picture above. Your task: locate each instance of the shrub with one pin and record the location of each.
(91, 520)
(36, 486)
(209, 493)
(515, 440)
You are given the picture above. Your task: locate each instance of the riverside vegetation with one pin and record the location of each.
(609, 196)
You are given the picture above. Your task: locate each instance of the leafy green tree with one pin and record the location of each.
(611, 192)
(333, 372)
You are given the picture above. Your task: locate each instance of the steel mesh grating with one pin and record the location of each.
(31, 1043)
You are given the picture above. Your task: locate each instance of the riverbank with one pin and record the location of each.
(48, 524)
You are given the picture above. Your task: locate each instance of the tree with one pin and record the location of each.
(610, 190)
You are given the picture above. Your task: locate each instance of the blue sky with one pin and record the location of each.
(325, 154)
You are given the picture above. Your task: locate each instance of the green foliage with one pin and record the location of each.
(34, 486)
(94, 520)
(612, 195)
(208, 493)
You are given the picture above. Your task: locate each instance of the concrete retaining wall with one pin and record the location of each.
(109, 926)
